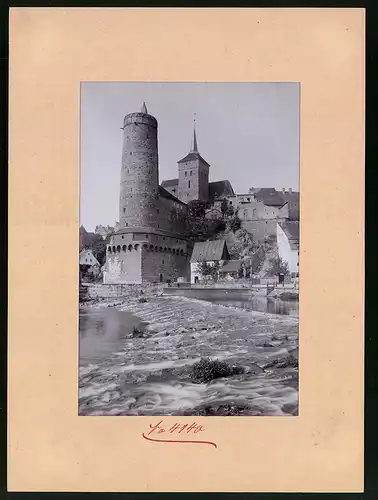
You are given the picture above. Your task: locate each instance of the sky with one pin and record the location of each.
(247, 132)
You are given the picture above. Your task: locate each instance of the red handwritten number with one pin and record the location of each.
(178, 429)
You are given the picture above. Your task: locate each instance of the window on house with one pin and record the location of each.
(186, 174)
(192, 172)
(126, 224)
(157, 210)
(146, 236)
(124, 209)
(162, 261)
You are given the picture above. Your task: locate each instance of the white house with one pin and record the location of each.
(88, 262)
(210, 252)
(288, 244)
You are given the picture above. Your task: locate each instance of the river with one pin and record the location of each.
(122, 375)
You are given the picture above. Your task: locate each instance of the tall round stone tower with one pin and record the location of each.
(139, 172)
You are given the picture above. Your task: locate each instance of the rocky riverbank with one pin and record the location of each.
(153, 373)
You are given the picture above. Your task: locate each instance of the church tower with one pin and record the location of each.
(193, 175)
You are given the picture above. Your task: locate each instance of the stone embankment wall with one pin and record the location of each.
(101, 291)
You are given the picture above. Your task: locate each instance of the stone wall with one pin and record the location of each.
(139, 173)
(261, 229)
(124, 265)
(163, 265)
(193, 181)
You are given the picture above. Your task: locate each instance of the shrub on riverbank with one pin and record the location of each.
(208, 369)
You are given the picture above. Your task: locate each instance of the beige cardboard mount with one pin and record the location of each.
(52, 50)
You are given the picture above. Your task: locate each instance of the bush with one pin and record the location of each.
(207, 369)
(142, 300)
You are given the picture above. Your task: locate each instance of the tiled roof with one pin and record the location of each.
(271, 197)
(220, 188)
(209, 250)
(170, 183)
(165, 194)
(231, 266)
(193, 155)
(291, 229)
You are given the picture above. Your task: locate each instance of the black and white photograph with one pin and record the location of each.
(189, 249)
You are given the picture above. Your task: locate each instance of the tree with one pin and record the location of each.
(235, 223)
(196, 208)
(226, 209)
(98, 246)
(278, 266)
(208, 270)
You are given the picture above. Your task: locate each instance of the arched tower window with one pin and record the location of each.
(189, 184)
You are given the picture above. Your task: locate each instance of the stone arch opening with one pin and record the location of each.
(160, 249)
(151, 248)
(145, 247)
(169, 250)
(181, 252)
(118, 248)
(110, 249)
(156, 249)
(136, 247)
(130, 247)
(114, 249)
(124, 248)
(165, 249)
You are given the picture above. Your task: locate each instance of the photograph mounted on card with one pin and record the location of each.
(186, 246)
(189, 285)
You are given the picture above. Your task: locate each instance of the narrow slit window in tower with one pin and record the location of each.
(189, 184)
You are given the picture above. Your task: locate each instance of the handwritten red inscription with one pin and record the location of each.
(182, 430)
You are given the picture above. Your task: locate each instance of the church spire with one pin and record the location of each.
(194, 147)
(144, 108)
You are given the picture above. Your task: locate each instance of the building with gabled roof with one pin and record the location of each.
(210, 252)
(288, 244)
